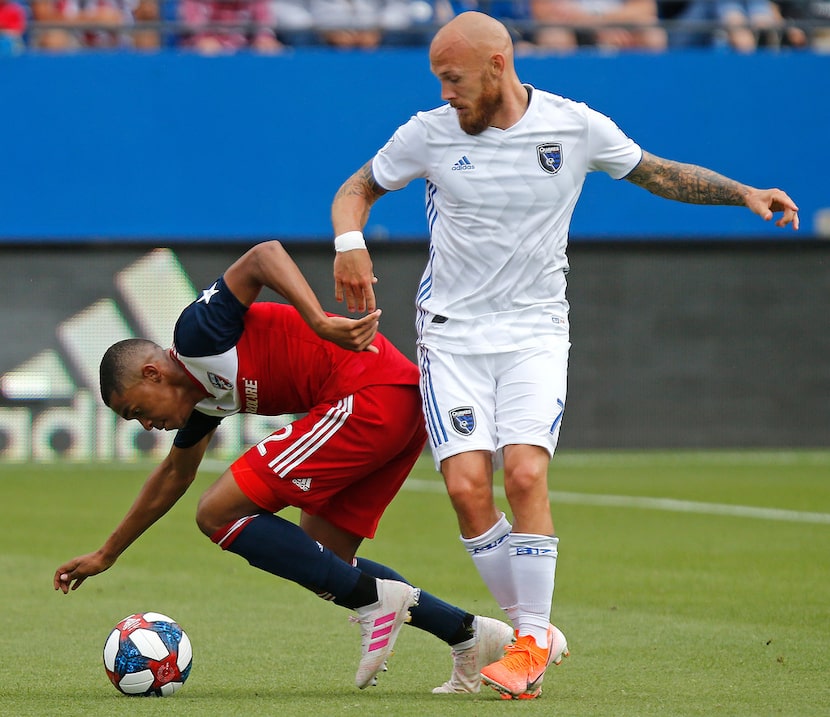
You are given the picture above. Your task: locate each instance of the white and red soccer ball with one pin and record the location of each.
(148, 654)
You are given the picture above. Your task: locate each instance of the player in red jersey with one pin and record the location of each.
(341, 463)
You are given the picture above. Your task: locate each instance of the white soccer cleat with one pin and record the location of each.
(383, 668)
(380, 624)
(491, 637)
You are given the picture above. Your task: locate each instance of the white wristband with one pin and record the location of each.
(349, 240)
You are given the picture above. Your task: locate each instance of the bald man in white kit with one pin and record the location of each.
(504, 165)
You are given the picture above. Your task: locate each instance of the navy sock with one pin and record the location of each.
(445, 621)
(282, 548)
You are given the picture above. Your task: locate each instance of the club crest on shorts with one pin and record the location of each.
(550, 156)
(463, 420)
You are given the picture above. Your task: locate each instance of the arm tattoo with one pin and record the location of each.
(686, 182)
(362, 184)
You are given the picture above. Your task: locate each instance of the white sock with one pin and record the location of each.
(533, 565)
(490, 554)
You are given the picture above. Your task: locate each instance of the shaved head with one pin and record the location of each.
(472, 57)
(474, 32)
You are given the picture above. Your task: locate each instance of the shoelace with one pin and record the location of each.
(366, 637)
(519, 654)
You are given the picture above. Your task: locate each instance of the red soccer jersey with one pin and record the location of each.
(363, 429)
(267, 360)
(284, 367)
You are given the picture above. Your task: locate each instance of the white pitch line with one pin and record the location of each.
(667, 504)
(686, 457)
(647, 503)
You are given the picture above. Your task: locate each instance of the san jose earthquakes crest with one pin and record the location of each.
(550, 156)
(463, 420)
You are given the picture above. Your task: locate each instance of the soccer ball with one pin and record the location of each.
(148, 654)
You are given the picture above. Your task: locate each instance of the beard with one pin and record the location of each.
(478, 118)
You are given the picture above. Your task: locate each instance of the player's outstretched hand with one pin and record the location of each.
(354, 280)
(352, 334)
(767, 202)
(72, 574)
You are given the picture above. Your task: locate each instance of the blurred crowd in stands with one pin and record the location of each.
(272, 26)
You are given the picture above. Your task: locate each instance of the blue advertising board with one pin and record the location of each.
(176, 147)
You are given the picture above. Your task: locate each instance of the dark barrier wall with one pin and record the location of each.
(674, 345)
(173, 147)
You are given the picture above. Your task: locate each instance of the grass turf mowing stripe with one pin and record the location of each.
(667, 504)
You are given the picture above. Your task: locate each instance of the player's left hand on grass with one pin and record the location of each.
(72, 574)
(767, 202)
(352, 334)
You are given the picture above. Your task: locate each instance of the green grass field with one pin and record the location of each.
(687, 584)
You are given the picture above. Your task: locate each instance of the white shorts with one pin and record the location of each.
(483, 402)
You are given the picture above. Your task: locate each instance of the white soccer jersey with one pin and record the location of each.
(499, 205)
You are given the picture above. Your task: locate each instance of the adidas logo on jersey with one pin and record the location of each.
(463, 164)
(302, 483)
